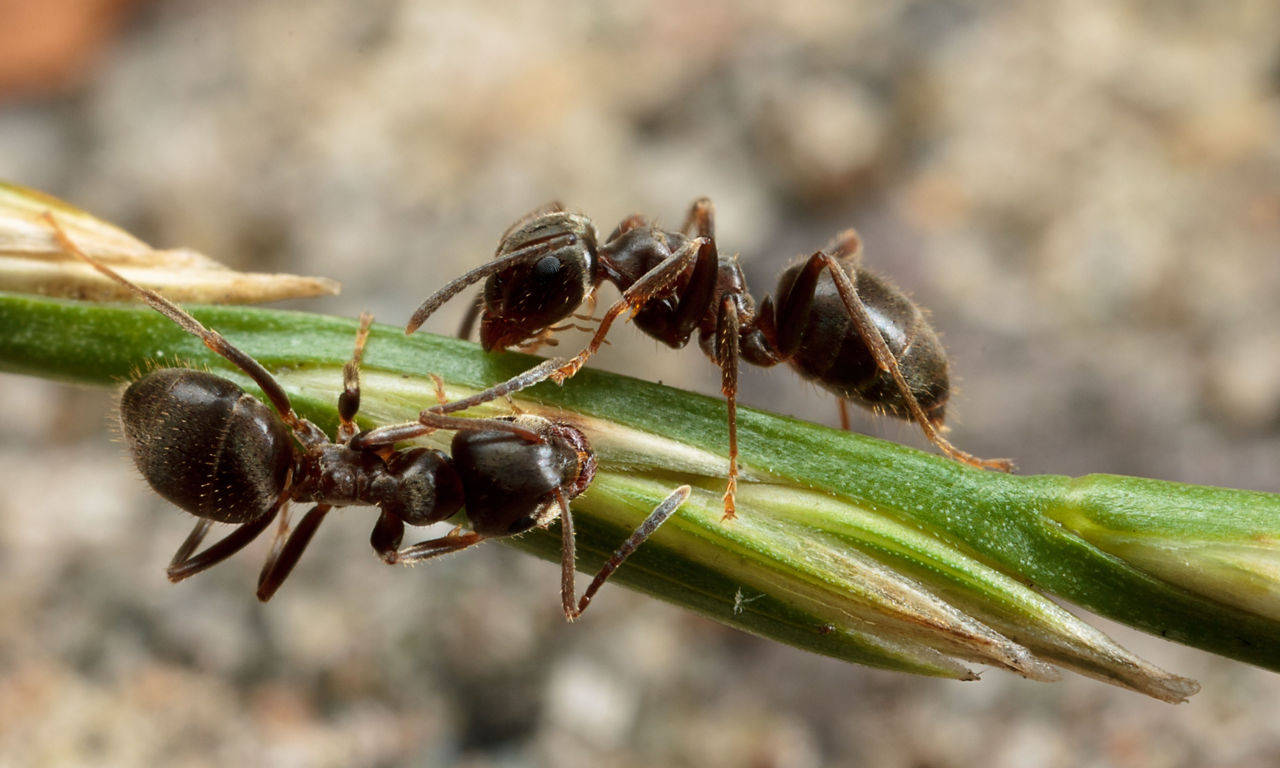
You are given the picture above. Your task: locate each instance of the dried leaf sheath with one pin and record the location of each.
(32, 262)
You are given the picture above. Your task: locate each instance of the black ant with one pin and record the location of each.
(218, 453)
(836, 323)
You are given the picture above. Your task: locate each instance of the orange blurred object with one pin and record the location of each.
(48, 45)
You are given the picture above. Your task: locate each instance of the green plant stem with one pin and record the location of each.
(845, 545)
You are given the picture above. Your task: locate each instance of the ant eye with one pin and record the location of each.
(547, 266)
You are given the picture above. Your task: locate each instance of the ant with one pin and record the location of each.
(837, 324)
(218, 453)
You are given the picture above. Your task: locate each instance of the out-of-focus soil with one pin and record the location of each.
(1085, 195)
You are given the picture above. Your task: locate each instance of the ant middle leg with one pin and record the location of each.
(288, 545)
(727, 355)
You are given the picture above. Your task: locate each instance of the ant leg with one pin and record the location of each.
(349, 400)
(387, 534)
(284, 557)
(845, 245)
(192, 541)
(728, 330)
(423, 550)
(212, 339)
(651, 523)
(535, 375)
(469, 319)
(887, 362)
(441, 396)
(844, 413)
(545, 337)
(431, 420)
(631, 222)
(701, 220)
(634, 298)
(184, 564)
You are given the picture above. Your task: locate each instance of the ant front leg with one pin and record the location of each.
(349, 400)
(575, 607)
(454, 541)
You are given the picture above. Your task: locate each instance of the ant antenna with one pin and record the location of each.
(453, 287)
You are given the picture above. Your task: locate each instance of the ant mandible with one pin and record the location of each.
(836, 323)
(218, 453)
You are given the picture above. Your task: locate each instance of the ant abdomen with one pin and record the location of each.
(823, 344)
(206, 445)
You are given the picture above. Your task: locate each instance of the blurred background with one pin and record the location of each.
(1085, 195)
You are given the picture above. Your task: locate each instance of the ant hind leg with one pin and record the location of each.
(287, 549)
(884, 357)
(212, 339)
(185, 565)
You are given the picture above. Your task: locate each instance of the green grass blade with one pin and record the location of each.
(846, 545)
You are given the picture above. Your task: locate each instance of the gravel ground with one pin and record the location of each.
(1086, 195)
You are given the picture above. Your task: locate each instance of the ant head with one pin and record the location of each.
(545, 285)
